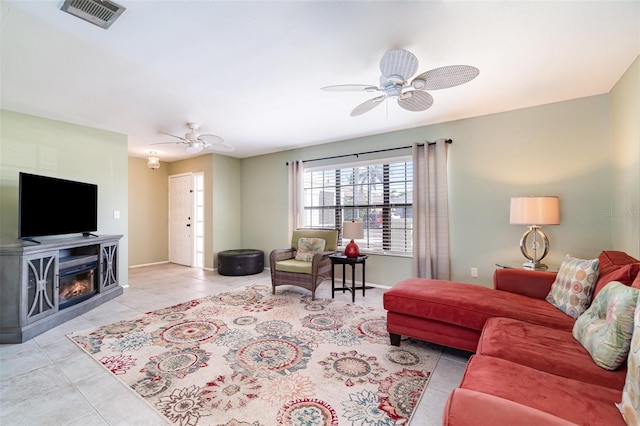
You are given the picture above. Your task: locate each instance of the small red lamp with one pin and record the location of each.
(352, 231)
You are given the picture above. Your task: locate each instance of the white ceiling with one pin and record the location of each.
(251, 72)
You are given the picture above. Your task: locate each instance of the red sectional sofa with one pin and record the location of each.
(527, 368)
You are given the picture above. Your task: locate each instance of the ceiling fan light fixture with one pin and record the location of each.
(395, 79)
(194, 148)
(418, 84)
(153, 162)
(393, 91)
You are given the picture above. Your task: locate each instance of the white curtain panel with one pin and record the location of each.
(296, 195)
(431, 211)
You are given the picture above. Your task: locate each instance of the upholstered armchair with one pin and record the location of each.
(306, 264)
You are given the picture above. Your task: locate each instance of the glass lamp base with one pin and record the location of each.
(537, 246)
(535, 266)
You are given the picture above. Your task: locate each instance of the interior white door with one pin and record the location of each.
(180, 219)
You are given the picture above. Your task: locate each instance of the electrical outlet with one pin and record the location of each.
(474, 272)
(116, 214)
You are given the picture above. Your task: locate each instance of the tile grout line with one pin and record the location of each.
(75, 387)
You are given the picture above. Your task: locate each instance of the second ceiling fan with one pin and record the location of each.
(195, 142)
(397, 67)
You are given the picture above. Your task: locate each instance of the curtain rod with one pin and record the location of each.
(367, 152)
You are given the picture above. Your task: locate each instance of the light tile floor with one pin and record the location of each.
(49, 381)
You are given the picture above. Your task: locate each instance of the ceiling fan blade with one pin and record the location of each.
(350, 88)
(174, 136)
(222, 147)
(367, 105)
(210, 139)
(445, 77)
(166, 143)
(415, 100)
(399, 65)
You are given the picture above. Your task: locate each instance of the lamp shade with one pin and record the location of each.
(352, 230)
(535, 210)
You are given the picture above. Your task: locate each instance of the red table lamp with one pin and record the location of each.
(352, 231)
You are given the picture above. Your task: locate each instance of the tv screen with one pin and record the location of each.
(52, 206)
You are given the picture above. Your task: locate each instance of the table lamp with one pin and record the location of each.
(534, 211)
(352, 231)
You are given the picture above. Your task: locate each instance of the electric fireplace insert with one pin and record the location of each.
(77, 280)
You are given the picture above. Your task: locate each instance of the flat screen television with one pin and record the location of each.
(53, 206)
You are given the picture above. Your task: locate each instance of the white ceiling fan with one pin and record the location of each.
(397, 67)
(196, 142)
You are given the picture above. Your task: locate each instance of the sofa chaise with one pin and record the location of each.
(527, 367)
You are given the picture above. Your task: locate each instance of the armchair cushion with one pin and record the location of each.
(295, 266)
(307, 247)
(329, 235)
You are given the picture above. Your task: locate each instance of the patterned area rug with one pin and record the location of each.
(246, 357)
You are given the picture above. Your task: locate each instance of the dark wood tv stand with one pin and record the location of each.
(30, 280)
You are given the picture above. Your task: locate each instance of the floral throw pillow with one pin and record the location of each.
(605, 328)
(630, 405)
(572, 290)
(307, 247)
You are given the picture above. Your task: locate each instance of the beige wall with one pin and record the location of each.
(625, 153)
(149, 206)
(53, 148)
(558, 149)
(227, 205)
(148, 212)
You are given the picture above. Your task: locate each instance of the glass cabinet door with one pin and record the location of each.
(41, 271)
(108, 266)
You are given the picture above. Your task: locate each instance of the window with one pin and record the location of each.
(199, 220)
(377, 193)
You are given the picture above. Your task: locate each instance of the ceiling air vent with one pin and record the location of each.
(102, 13)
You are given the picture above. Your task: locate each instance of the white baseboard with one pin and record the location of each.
(162, 263)
(148, 264)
